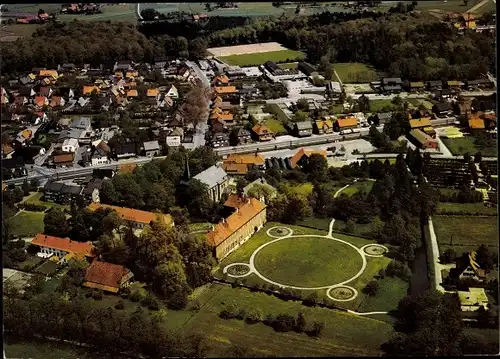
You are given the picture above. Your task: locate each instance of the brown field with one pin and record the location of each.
(245, 49)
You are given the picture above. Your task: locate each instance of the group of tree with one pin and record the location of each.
(107, 331)
(430, 324)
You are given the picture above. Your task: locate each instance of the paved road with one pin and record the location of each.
(477, 6)
(491, 77)
(438, 278)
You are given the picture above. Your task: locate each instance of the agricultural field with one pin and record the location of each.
(460, 208)
(465, 233)
(344, 334)
(260, 58)
(309, 261)
(26, 223)
(354, 72)
(462, 145)
(120, 12)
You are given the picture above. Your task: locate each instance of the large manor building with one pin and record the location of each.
(248, 217)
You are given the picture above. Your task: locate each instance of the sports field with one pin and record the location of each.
(256, 59)
(354, 72)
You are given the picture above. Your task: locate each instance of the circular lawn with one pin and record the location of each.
(308, 262)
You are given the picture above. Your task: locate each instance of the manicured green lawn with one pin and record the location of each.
(289, 65)
(27, 224)
(468, 232)
(344, 333)
(391, 291)
(308, 262)
(359, 186)
(37, 349)
(479, 208)
(462, 145)
(354, 72)
(314, 222)
(260, 58)
(303, 189)
(381, 105)
(275, 125)
(37, 199)
(359, 229)
(273, 258)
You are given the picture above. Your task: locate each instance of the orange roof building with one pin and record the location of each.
(62, 246)
(223, 79)
(347, 122)
(240, 164)
(40, 101)
(249, 216)
(420, 122)
(132, 93)
(107, 276)
(476, 123)
(48, 73)
(263, 132)
(225, 90)
(152, 92)
(87, 90)
(135, 216)
(303, 155)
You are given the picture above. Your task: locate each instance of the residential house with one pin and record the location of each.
(151, 148)
(343, 124)
(125, 150)
(216, 180)
(464, 107)
(59, 192)
(423, 140)
(224, 91)
(442, 109)
(302, 156)
(220, 80)
(52, 74)
(392, 85)
(473, 299)
(263, 133)
(481, 83)
(99, 153)
(435, 85)
(91, 191)
(252, 187)
(24, 137)
(7, 151)
(174, 138)
(444, 94)
(468, 267)
(240, 164)
(136, 217)
(63, 160)
(159, 62)
(107, 276)
(14, 167)
(41, 101)
(249, 216)
(476, 124)
(61, 247)
(219, 139)
(70, 145)
(306, 68)
(303, 128)
(454, 85)
(417, 86)
(132, 94)
(124, 65)
(57, 101)
(244, 136)
(423, 124)
(89, 89)
(173, 92)
(322, 127)
(45, 91)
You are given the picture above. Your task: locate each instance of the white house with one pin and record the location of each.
(172, 92)
(70, 145)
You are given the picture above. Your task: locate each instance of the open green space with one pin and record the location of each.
(459, 208)
(275, 125)
(358, 187)
(381, 106)
(344, 334)
(354, 72)
(115, 12)
(260, 58)
(26, 224)
(200, 226)
(308, 262)
(302, 189)
(19, 30)
(462, 145)
(37, 198)
(277, 253)
(466, 232)
(38, 349)
(390, 292)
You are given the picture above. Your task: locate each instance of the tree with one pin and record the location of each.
(316, 167)
(448, 256)
(149, 14)
(300, 322)
(55, 223)
(303, 104)
(317, 328)
(194, 196)
(349, 226)
(485, 258)
(371, 288)
(478, 157)
(240, 185)
(297, 208)
(364, 103)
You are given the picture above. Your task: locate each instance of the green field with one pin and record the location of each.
(344, 334)
(259, 58)
(467, 232)
(302, 189)
(120, 12)
(275, 125)
(200, 226)
(308, 262)
(27, 223)
(354, 72)
(381, 106)
(36, 349)
(359, 186)
(391, 290)
(462, 145)
(19, 30)
(36, 198)
(313, 256)
(473, 208)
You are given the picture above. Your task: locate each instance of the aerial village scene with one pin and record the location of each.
(249, 179)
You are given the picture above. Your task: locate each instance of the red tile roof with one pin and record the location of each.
(134, 215)
(106, 276)
(64, 244)
(305, 152)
